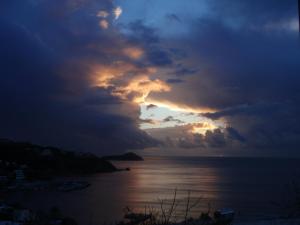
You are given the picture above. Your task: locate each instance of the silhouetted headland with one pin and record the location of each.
(129, 156)
(45, 162)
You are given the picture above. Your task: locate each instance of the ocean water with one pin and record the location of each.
(253, 187)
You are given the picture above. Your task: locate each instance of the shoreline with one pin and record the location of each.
(109, 193)
(270, 222)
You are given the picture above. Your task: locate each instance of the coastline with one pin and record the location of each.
(156, 178)
(270, 222)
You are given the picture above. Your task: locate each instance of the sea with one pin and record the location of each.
(255, 188)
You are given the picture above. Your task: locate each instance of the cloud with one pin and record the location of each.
(210, 141)
(117, 12)
(159, 57)
(135, 89)
(245, 110)
(181, 70)
(140, 32)
(65, 79)
(246, 59)
(103, 24)
(150, 121)
(215, 138)
(171, 119)
(139, 88)
(151, 106)
(255, 13)
(65, 82)
(148, 37)
(291, 25)
(133, 52)
(102, 14)
(234, 134)
(174, 81)
(173, 17)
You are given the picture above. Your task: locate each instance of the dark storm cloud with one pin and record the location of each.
(246, 65)
(178, 53)
(151, 106)
(256, 11)
(245, 110)
(160, 57)
(182, 70)
(141, 32)
(242, 61)
(253, 82)
(217, 139)
(248, 56)
(234, 134)
(149, 121)
(173, 18)
(98, 96)
(175, 81)
(172, 119)
(186, 144)
(149, 38)
(46, 48)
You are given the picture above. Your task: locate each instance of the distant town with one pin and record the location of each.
(28, 167)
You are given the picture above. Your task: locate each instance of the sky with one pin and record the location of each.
(172, 77)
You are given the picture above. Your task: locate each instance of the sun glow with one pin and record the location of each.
(127, 81)
(178, 107)
(135, 84)
(168, 115)
(102, 14)
(103, 24)
(117, 12)
(202, 128)
(140, 87)
(133, 52)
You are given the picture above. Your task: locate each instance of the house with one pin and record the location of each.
(47, 152)
(3, 179)
(23, 215)
(6, 212)
(19, 175)
(8, 222)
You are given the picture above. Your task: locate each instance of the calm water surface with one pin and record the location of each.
(247, 185)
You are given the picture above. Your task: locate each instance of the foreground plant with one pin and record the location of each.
(169, 214)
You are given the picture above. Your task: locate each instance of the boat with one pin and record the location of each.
(73, 186)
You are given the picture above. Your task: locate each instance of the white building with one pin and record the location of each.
(19, 175)
(8, 222)
(23, 215)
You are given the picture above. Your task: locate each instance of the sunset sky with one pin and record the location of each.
(178, 77)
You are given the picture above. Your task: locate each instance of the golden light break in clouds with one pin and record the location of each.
(103, 24)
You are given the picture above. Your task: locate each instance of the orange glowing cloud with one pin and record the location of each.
(104, 75)
(133, 52)
(202, 128)
(116, 73)
(139, 88)
(117, 12)
(127, 81)
(103, 24)
(102, 14)
(178, 107)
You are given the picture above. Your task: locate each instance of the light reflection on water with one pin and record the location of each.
(158, 180)
(246, 185)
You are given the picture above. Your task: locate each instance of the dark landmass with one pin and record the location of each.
(15, 214)
(45, 162)
(130, 156)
